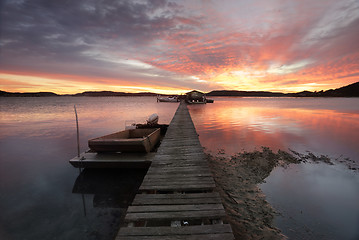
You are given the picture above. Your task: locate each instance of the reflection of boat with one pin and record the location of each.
(131, 140)
(167, 99)
(112, 188)
(209, 100)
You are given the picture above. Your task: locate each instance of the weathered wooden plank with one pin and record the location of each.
(185, 142)
(183, 145)
(190, 181)
(179, 175)
(221, 236)
(180, 156)
(176, 164)
(178, 160)
(167, 231)
(180, 149)
(178, 195)
(177, 178)
(177, 172)
(169, 172)
(180, 168)
(187, 139)
(170, 166)
(162, 199)
(172, 182)
(177, 201)
(173, 208)
(177, 167)
(180, 215)
(179, 188)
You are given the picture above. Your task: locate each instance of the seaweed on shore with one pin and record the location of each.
(310, 156)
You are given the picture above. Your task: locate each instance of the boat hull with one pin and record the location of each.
(132, 140)
(167, 99)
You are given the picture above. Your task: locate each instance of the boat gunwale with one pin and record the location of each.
(108, 141)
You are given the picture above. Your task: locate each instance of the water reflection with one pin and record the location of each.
(111, 188)
(246, 124)
(112, 191)
(37, 138)
(316, 201)
(54, 116)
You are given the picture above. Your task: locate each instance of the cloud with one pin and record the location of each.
(286, 69)
(89, 38)
(166, 43)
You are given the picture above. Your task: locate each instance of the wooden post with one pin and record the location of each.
(78, 133)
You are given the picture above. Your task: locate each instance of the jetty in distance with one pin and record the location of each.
(178, 197)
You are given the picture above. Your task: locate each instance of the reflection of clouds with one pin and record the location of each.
(246, 123)
(55, 118)
(333, 200)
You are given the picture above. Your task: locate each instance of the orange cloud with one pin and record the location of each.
(67, 84)
(241, 45)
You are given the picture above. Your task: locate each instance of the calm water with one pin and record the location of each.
(41, 195)
(316, 201)
(44, 197)
(328, 126)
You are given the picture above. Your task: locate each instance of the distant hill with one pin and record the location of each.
(87, 94)
(34, 94)
(234, 93)
(113, 94)
(351, 90)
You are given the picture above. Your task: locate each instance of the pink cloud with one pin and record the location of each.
(273, 43)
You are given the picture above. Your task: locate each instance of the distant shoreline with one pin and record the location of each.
(351, 90)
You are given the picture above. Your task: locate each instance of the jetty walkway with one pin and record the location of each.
(177, 199)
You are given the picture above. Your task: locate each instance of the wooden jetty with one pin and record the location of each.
(177, 199)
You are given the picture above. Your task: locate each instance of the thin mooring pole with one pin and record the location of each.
(78, 133)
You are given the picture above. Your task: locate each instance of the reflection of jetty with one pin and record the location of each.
(178, 199)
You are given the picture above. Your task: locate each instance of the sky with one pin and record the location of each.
(165, 46)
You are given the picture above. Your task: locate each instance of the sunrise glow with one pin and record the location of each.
(175, 46)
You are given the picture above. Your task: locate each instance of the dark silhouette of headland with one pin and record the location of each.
(351, 90)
